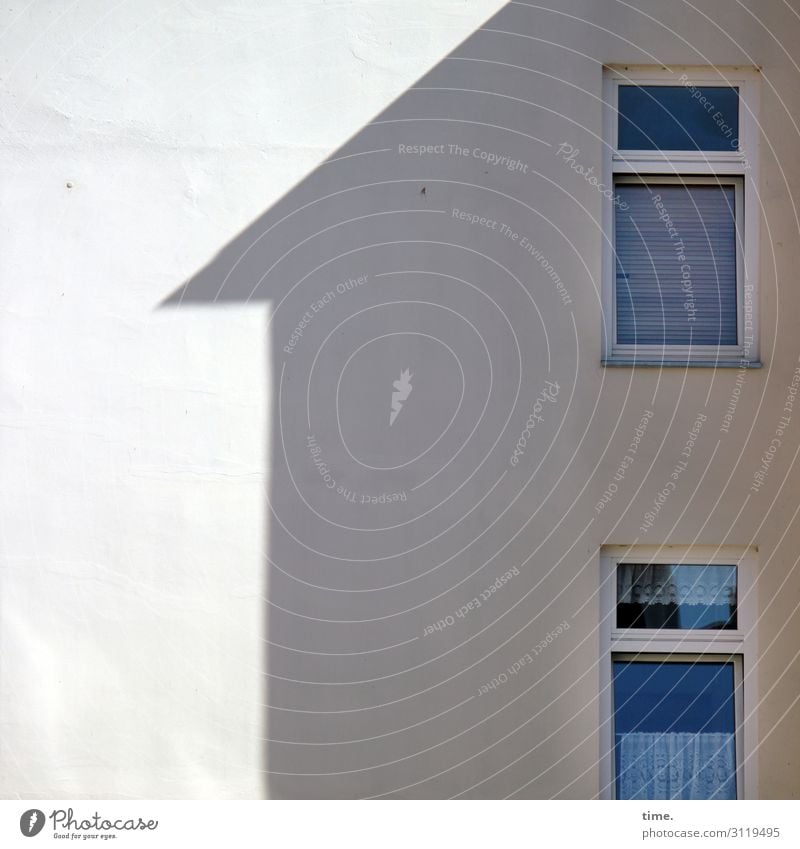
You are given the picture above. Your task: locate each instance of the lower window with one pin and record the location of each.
(678, 693)
(675, 727)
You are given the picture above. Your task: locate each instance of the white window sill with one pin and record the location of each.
(626, 362)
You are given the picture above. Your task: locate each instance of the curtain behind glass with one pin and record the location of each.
(662, 595)
(676, 765)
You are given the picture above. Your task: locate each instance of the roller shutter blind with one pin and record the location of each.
(675, 264)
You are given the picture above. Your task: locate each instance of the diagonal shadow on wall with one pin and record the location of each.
(424, 344)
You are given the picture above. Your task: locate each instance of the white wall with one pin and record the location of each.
(138, 139)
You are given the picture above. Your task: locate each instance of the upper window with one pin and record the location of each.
(679, 283)
(670, 117)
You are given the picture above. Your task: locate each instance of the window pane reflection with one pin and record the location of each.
(676, 596)
(674, 730)
(654, 117)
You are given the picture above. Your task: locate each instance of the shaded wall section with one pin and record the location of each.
(443, 431)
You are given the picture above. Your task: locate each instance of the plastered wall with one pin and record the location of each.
(174, 622)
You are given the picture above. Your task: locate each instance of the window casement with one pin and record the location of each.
(678, 684)
(681, 225)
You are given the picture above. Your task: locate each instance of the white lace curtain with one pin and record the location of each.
(677, 765)
(663, 583)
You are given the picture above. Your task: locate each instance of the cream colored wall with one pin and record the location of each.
(140, 470)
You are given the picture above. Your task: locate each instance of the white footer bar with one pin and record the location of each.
(400, 825)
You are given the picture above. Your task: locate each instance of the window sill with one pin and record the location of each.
(619, 362)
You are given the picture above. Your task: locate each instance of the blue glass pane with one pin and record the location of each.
(674, 726)
(658, 117)
(661, 595)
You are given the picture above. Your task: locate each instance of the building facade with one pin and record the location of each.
(400, 401)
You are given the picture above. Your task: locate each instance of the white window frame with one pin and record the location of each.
(686, 167)
(678, 644)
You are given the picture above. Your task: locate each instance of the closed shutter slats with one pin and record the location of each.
(676, 275)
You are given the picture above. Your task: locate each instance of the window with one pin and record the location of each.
(678, 689)
(674, 728)
(676, 595)
(681, 223)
